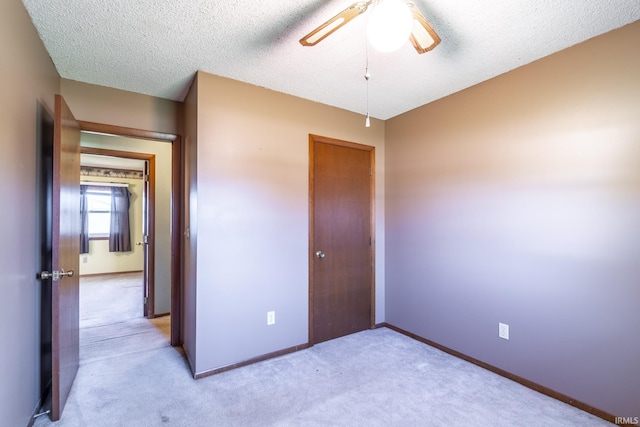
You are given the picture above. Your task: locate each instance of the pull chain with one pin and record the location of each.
(367, 120)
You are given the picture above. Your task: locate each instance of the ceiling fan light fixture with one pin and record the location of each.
(324, 32)
(423, 37)
(327, 28)
(389, 25)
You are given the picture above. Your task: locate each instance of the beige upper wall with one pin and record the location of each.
(541, 105)
(27, 79)
(100, 104)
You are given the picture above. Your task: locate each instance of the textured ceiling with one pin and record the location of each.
(154, 47)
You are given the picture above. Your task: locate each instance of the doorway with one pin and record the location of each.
(173, 172)
(100, 170)
(341, 223)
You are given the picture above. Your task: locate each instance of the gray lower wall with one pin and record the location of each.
(27, 79)
(518, 201)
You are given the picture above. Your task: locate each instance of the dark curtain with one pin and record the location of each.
(84, 221)
(119, 233)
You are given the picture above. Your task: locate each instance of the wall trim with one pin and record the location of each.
(520, 380)
(125, 131)
(156, 315)
(251, 361)
(111, 273)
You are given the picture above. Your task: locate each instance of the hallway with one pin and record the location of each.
(111, 320)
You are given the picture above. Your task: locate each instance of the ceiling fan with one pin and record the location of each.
(422, 36)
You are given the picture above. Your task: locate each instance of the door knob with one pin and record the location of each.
(56, 275)
(138, 243)
(320, 254)
(66, 273)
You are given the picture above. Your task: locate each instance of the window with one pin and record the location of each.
(99, 212)
(104, 214)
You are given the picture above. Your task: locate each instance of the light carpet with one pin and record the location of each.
(372, 378)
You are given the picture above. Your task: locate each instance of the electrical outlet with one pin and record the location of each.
(503, 331)
(84, 259)
(271, 317)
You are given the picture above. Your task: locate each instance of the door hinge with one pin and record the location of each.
(370, 241)
(146, 300)
(370, 171)
(146, 178)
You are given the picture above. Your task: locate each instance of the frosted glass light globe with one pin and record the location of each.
(389, 25)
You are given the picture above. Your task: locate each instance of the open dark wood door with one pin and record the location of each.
(341, 262)
(65, 255)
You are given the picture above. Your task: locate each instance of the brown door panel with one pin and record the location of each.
(65, 255)
(342, 200)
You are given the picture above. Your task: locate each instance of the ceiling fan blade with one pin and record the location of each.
(423, 37)
(317, 35)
